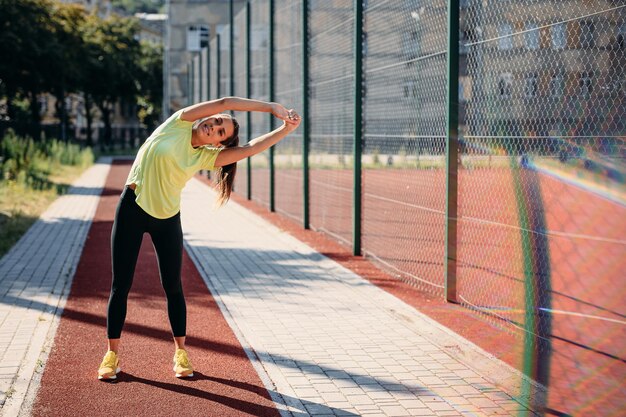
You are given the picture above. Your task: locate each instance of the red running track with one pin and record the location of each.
(225, 383)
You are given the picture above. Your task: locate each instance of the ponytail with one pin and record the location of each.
(226, 174)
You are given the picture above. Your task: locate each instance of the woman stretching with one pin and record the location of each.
(194, 138)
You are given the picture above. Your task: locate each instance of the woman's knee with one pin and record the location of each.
(174, 289)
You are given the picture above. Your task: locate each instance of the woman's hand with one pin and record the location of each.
(282, 113)
(237, 153)
(293, 120)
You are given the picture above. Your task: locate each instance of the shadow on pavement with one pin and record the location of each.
(234, 403)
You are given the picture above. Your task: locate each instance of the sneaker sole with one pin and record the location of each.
(184, 375)
(106, 378)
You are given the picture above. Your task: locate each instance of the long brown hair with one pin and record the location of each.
(226, 174)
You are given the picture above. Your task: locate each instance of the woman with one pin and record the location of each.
(194, 138)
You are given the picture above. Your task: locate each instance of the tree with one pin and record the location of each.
(26, 48)
(150, 96)
(50, 47)
(112, 56)
(66, 72)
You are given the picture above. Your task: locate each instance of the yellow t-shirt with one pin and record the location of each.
(164, 164)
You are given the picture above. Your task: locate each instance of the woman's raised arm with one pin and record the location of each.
(231, 155)
(209, 108)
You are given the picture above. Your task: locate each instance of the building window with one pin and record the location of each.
(557, 85)
(558, 34)
(505, 33)
(197, 37)
(409, 89)
(531, 85)
(621, 35)
(505, 85)
(585, 84)
(531, 36)
(410, 45)
(465, 91)
(587, 34)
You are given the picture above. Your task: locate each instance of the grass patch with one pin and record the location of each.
(21, 204)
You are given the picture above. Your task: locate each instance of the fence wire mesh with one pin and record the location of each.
(196, 77)
(241, 76)
(213, 71)
(404, 148)
(224, 76)
(204, 74)
(541, 204)
(331, 95)
(542, 195)
(288, 91)
(259, 51)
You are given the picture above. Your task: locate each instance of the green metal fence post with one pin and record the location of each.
(452, 151)
(305, 114)
(248, 93)
(218, 64)
(358, 125)
(231, 44)
(271, 99)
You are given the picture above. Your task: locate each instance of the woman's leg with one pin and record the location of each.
(126, 237)
(167, 237)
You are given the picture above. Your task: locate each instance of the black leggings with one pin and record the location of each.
(131, 222)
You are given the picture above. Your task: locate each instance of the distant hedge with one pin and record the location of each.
(25, 161)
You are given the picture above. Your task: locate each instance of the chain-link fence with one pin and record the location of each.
(541, 208)
(259, 85)
(331, 115)
(288, 90)
(404, 142)
(214, 70)
(241, 90)
(204, 74)
(542, 204)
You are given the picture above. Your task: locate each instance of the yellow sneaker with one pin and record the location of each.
(110, 366)
(182, 365)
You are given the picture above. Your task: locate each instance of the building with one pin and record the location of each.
(190, 25)
(545, 75)
(152, 27)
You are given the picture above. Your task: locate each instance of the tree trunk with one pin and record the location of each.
(10, 107)
(106, 118)
(89, 117)
(108, 134)
(35, 127)
(61, 113)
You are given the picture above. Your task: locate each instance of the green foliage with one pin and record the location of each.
(52, 47)
(27, 47)
(151, 84)
(112, 64)
(27, 162)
